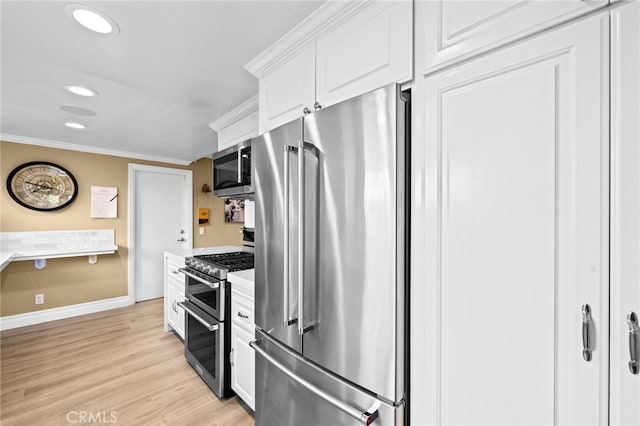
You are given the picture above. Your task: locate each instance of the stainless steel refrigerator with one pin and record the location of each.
(330, 259)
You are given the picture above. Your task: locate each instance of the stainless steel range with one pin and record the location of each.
(208, 328)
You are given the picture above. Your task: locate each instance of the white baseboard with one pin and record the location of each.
(46, 315)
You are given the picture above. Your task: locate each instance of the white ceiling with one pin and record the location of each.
(175, 67)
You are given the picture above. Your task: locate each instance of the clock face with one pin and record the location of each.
(42, 186)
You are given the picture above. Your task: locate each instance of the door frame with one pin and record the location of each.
(131, 225)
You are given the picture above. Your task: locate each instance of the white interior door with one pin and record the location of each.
(160, 206)
(510, 235)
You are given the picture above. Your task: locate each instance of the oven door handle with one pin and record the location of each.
(210, 327)
(197, 278)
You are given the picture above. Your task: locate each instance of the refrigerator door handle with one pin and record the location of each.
(287, 320)
(301, 197)
(365, 417)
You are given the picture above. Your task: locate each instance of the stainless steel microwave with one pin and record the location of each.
(232, 171)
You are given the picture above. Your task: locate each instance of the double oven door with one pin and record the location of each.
(207, 339)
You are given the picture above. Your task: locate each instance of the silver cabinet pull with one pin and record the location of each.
(365, 417)
(287, 320)
(210, 327)
(181, 240)
(317, 105)
(231, 357)
(634, 331)
(306, 111)
(587, 323)
(241, 315)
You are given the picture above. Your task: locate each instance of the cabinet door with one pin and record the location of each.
(369, 51)
(625, 208)
(510, 235)
(179, 311)
(243, 370)
(455, 29)
(171, 303)
(241, 130)
(286, 91)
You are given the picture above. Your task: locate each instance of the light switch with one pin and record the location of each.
(201, 230)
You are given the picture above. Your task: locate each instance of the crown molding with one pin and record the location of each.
(322, 20)
(241, 111)
(90, 149)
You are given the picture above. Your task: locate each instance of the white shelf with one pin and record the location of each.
(17, 246)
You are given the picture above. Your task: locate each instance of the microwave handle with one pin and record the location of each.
(239, 165)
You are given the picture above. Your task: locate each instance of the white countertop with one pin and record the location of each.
(242, 282)
(247, 274)
(5, 258)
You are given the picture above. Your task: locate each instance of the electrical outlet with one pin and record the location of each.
(39, 299)
(201, 231)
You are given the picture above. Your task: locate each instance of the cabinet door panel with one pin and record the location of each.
(625, 208)
(243, 371)
(180, 319)
(171, 303)
(241, 130)
(510, 234)
(458, 29)
(286, 91)
(369, 51)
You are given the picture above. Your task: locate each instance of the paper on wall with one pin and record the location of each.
(104, 202)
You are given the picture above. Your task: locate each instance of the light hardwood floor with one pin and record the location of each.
(116, 367)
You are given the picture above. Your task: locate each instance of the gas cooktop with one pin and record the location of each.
(219, 264)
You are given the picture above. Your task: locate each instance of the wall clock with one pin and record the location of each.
(42, 186)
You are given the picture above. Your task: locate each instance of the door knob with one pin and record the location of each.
(181, 240)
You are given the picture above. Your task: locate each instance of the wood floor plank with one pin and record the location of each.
(116, 367)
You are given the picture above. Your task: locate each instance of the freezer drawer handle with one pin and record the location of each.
(197, 278)
(634, 331)
(587, 323)
(210, 327)
(365, 417)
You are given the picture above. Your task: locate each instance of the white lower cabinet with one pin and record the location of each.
(510, 235)
(243, 380)
(242, 332)
(174, 293)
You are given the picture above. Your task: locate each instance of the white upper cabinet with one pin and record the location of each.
(238, 125)
(288, 90)
(625, 210)
(510, 184)
(342, 50)
(456, 30)
(371, 50)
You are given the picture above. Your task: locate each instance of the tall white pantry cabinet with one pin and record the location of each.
(525, 214)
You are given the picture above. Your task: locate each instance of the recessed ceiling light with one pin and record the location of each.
(82, 91)
(74, 125)
(92, 19)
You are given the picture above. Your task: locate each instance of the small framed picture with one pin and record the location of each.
(233, 211)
